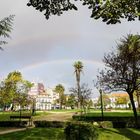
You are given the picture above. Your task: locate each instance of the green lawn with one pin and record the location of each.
(119, 134)
(41, 114)
(57, 134)
(35, 134)
(5, 116)
(114, 113)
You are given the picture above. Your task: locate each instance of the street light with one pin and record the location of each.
(101, 103)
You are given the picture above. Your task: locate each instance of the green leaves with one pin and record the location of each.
(110, 11)
(52, 7)
(14, 89)
(5, 28)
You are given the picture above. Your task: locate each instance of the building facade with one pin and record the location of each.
(45, 99)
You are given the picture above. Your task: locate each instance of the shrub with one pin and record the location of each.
(119, 124)
(118, 121)
(13, 123)
(105, 124)
(54, 124)
(80, 131)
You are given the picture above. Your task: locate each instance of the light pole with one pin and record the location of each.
(101, 103)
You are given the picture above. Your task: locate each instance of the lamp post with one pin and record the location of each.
(101, 104)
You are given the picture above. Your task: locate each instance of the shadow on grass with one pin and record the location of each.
(129, 133)
(35, 134)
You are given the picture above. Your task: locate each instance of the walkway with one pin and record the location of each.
(12, 130)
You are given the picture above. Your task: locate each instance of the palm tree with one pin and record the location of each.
(78, 66)
(5, 28)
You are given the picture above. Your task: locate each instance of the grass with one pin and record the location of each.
(35, 134)
(5, 116)
(114, 113)
(58, 134)
(119, 134)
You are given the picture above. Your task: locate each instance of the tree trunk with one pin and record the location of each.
(138, 99)
(134, 108)
(79, 95)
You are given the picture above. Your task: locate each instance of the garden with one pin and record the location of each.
(67, 129)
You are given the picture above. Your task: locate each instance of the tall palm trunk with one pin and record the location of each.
(78, 89)
(78, 69)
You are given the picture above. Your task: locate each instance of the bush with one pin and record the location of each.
(119, 124)
(54, 124)
(13, 123)
(117, 121)
(105, 124)
(80, 131)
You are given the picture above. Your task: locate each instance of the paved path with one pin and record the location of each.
(12, 130)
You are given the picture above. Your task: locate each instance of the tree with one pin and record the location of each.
(71, 101)
(123, 68)
(9, 87)
(78, 66)
(105, 99)
(85, 94)
(5, 28)
(138, 98)
(22, 98)
(60, 89)
(110, 11)
(14, 89)
(121, 101)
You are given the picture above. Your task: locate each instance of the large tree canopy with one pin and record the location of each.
(14, 89)
(123, 68)
(110, 11)
(60, 89)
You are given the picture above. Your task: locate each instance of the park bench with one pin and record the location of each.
(22, 117)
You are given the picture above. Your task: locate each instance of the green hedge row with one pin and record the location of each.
(13, 123)
(117, 121)
(54, 124)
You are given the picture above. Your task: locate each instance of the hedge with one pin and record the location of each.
(117, 121)
(54, 124)
(13, 123)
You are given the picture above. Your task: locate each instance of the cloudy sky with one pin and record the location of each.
(45, 50)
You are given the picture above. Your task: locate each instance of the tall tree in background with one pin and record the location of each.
(14, 89)
(9, 87)
(78, 66)
(5, 29)
(122, 101)
(85, 95)
(105, 100)
(71, 101)
(60, 89)
(110, 11)
(123, 68)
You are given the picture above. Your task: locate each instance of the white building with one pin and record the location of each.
(44, 99)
